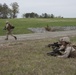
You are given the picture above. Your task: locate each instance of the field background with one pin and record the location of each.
(21, 25)
(29, 57)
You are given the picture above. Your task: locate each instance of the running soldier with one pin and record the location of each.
(9, 29)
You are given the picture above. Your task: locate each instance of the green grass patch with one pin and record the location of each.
(21, 25)
(29, 58)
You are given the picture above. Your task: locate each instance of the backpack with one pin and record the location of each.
(11, 26)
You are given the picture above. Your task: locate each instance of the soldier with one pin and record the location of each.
(9, 29)
(47, 28)
(66, 44)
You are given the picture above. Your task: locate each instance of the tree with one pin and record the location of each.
(4, 11)
(27, 15)
(52, 16)
(23, 15)
(0, 10)
(45, 15)
(30, 15)
(10, 14)
(15, 9)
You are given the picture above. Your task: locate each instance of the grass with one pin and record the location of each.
(21, 25)
(29, 58)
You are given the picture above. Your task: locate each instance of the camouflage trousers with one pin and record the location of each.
(9, 32)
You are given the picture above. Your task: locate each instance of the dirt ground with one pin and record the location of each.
(33, 36)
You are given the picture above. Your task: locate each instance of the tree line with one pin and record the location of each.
(13, 10)
(43, 15)
(35, 15)
(6, 12)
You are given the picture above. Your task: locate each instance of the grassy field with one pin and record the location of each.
(21, 25)
(29, 58)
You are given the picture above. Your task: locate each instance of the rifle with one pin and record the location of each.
(55, 46)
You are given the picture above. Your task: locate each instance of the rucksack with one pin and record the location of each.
(11, 26)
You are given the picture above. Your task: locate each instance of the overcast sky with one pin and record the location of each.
(65, 8)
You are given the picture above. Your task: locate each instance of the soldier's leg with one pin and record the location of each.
(13, 35)
(7, 34)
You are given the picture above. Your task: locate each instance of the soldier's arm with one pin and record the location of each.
(66, 53)
(6, 26)
(61, 47)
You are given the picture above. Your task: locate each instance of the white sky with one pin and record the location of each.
(65, 8)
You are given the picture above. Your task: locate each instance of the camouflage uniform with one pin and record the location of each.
(9, 31)
(68, 47)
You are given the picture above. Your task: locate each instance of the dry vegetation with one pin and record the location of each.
(29, 58)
